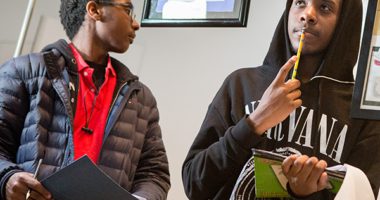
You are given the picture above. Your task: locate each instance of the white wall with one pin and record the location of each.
(184, 67)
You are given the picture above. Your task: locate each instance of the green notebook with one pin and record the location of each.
(271, 182)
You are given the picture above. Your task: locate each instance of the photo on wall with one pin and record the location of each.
(195, 13)
(366, 97)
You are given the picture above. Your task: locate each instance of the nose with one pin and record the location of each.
(135, 25)
(309, 15)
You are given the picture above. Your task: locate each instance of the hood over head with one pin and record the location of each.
(342, 52)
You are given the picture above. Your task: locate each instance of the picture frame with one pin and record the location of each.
(366, 96)
(195, 13)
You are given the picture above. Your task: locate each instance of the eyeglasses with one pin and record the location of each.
(128, 7)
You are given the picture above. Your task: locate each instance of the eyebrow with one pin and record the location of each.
(335, 5)
(129, 4)
(330, 1)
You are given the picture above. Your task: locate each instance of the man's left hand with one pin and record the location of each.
(306, 175)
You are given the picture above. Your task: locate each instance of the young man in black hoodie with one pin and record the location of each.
(74, 99)
(263, 108)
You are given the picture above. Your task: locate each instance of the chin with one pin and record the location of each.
(121, 49)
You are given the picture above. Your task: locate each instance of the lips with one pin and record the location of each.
(308, 31)
(131, 38)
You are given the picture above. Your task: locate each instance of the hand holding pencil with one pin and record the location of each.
(280, 99)
(24, 185)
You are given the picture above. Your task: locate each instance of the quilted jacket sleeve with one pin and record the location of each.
(13, 109)
(152, 174)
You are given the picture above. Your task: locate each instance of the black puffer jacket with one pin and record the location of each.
(36, 121)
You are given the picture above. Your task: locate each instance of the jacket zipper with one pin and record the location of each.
(113, 102)
(111, 108)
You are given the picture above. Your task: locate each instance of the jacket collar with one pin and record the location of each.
(61, 48)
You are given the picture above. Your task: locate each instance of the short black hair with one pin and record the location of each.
(72, 13)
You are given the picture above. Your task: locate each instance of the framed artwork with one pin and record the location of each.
(366, 97)
(195, 13)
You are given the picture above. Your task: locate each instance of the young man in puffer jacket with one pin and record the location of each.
(74, 99)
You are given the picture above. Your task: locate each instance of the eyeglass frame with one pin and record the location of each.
(128, 6)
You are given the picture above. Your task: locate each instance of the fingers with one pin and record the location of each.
(297, 166)
(318, 168)
(36, 195)
(20, 183)
(287, 163)
(37, 190)
(323, 181)
(306, 175)
(290, 87)
(284, 71)
(16, 187)
(293, 84)
(303, 166)
(296, 94)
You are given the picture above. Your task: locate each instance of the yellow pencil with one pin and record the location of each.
(298, 54)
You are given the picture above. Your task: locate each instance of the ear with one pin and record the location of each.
(93, 10)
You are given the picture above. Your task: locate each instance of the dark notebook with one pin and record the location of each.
(82, 180)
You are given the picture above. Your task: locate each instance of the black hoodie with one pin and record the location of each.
(321, 127)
